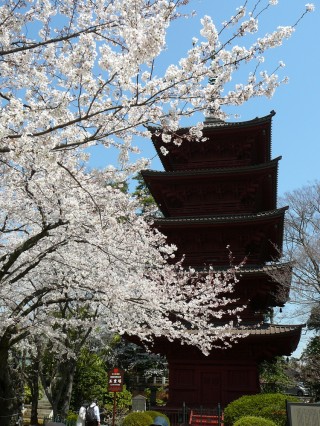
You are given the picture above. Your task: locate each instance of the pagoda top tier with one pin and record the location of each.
(225, 144)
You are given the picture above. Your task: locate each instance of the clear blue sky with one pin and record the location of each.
(295, 125)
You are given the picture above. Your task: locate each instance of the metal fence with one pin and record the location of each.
(181, 416)
(177, 416)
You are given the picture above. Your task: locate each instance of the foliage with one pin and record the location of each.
(311, 366)
(144, 196)
(90, 381)
(271, 406)
(253, 421)
(27, 394)
(136, 362)
(123, 399)
(56, 372)
(156, 396)
(72, 416)
(314, 318)
(137, 419)
(273, 375)
(277, 413)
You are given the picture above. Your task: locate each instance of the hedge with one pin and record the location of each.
(137, 418)
(271, 406)
(254, 421)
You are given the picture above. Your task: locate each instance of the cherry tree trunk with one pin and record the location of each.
(60, 389)
(8, 406)
(35, 393)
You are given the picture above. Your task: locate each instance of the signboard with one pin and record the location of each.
(303, 414)
(115, 383)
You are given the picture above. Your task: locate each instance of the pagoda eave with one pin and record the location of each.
(217, 220)
(220, 124)
(265, 342)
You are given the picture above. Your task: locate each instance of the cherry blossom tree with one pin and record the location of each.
(301, 251)
(76, 74)
(85, 72)
(67, 236)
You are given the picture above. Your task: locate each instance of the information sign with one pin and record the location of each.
(115, 383)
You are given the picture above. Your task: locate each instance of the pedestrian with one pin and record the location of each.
(93, 414)
(81, 420)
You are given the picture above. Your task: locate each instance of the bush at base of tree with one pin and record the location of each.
(254, 421)
(271, 406)
(72, 417)
(137, 419)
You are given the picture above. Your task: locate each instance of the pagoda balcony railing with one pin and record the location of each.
(152, 381)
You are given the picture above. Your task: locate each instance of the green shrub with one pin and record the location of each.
(277, 413)
(271, 406)
(72, 416)
(137, 418)
(254, 421)
(154, 414)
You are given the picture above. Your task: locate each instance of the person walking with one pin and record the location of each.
(81, 420)
(93, 415)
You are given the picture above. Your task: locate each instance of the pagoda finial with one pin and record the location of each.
(212, 118)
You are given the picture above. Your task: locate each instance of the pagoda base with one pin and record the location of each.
(225, 374)
(208, 383)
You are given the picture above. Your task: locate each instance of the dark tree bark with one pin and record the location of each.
(9, 395)
(6, 390)
(60, 387)
(34, 382)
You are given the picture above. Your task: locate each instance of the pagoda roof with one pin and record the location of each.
(199, 220)
(213, 123)
(255, 269)
(211, 171)
(263, 269)
(270, 339)
(265, 329)
(266, 342)
(274, 339)
(216, 123)
(268, 329)
(225, 144)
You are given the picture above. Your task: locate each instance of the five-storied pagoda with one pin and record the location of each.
(213, 194)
